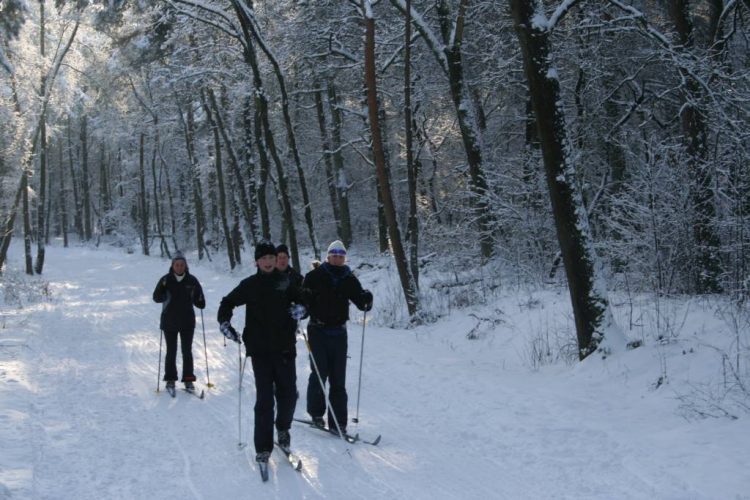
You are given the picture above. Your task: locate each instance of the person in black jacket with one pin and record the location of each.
(282, 264)
(331, 287)
(178, 291)
(270, 341)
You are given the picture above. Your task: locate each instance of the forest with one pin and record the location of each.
(601, 144)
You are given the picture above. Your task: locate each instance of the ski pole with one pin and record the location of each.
(242, 364)
(205, 352)
(158, 370)
(322, 386)
(361, 356)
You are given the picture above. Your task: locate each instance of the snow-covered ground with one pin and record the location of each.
(461, 418)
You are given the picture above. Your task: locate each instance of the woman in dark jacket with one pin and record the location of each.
(178, 291)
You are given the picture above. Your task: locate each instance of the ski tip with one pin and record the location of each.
(376, 441)
(203, 394)
(263, 471)
(299, 465)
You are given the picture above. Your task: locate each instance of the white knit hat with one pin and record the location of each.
(336, 248)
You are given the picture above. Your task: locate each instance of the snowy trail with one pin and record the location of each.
(80, 416)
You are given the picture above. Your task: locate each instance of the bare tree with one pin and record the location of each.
(407, 282)
(593, 318)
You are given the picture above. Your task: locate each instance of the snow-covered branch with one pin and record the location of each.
(560, 13)
(230, 29)
(435, 45)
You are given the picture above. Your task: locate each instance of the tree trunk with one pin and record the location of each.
(470, 129)
(157, 195)
(143, 197)
(26, 223)
(411, 165)
(195, 182)
(252, 188)
(105, 195)
(10, 222)
(265, 223)
(86, 185)
(42, 195)
(591, 311)
(449, 58)
(328, 162)
(234, 164)
(170, 200)
(77, 205)
(63, 198)
(708, 246)
(342, 184)
(261, 104)
(407, 282)
(222, 201)
(250, 25)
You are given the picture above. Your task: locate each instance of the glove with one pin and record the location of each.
(366, 300)
(198, 299)
(298, 311)
(229, 332)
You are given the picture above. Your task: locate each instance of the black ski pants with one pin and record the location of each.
(329, 352)
(170, 360)
(275, 378)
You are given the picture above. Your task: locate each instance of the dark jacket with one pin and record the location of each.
(269, 326)
(178, 299)
(294, 276)
(330, 289)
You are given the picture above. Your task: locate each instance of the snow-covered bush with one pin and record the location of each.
(19, 290)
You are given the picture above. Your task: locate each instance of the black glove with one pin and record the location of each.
(198, 299)
(229, 332)
(366, 300)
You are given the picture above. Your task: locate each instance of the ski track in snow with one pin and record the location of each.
(81, 417)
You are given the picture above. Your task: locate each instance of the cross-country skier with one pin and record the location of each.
(331, 287)
(270, 342)
(178, 291)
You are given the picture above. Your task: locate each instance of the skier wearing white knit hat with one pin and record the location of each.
(331, 286)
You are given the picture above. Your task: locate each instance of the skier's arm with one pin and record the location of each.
(360, 297)
(160, 292)
(199, 300)
(235, 298)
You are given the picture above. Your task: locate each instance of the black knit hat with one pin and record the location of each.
(282, 249)
(264, 248)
